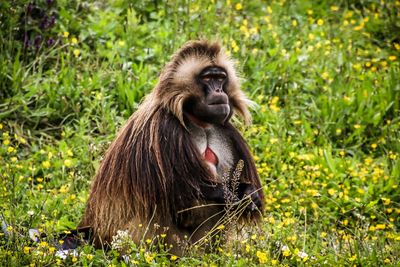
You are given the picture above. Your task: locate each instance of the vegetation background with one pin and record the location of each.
(326, 131)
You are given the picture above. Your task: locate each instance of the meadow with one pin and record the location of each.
(325, 76)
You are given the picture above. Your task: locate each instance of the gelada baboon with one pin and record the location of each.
(168, 166)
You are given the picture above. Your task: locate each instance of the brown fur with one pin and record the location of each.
(153, 170)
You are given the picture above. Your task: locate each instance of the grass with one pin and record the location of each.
(325, 132)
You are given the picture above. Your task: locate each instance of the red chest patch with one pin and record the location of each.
(210, 156)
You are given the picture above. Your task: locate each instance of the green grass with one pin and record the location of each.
(325, 133)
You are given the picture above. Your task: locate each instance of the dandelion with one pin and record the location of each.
(262, 256)
(320, 22)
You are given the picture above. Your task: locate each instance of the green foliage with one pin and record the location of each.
(325, 77)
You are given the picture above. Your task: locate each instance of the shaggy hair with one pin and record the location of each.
(153, 169)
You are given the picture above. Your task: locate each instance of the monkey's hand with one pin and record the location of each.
(249, 191)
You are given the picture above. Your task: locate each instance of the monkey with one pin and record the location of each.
(166, 165)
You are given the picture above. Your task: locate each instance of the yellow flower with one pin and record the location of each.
(286, 253)
(52, 249)
(74, 40)
(67, 163)
(238, 6)
(76, 52)
(66, 34)
(26, 250)
(353, 258)
(46, 164)
(311, 36)
(357, 126)
(294, 23)
(10, 149)
(74, 259)
(334, 8)
(392, 58)
(262, 256)
(44, 244)
(320, 22)
(148, 241)
(163, 235)
(374, 146)
(89, 256)
(323, 234)
(121, 43)
(380, 226)
(173, 257)
(1, 126)
(331, 191)
(386, 201)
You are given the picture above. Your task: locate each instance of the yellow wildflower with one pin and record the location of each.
(76, 52)
(26, 250)
(238, 6)
(67, 163)
(262, 256)
(46, 164)
(66, 34)
(334, 8)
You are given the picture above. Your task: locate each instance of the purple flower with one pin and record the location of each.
(38, 41)
(50, 42)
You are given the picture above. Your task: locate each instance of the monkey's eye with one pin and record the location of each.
(206, 78)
